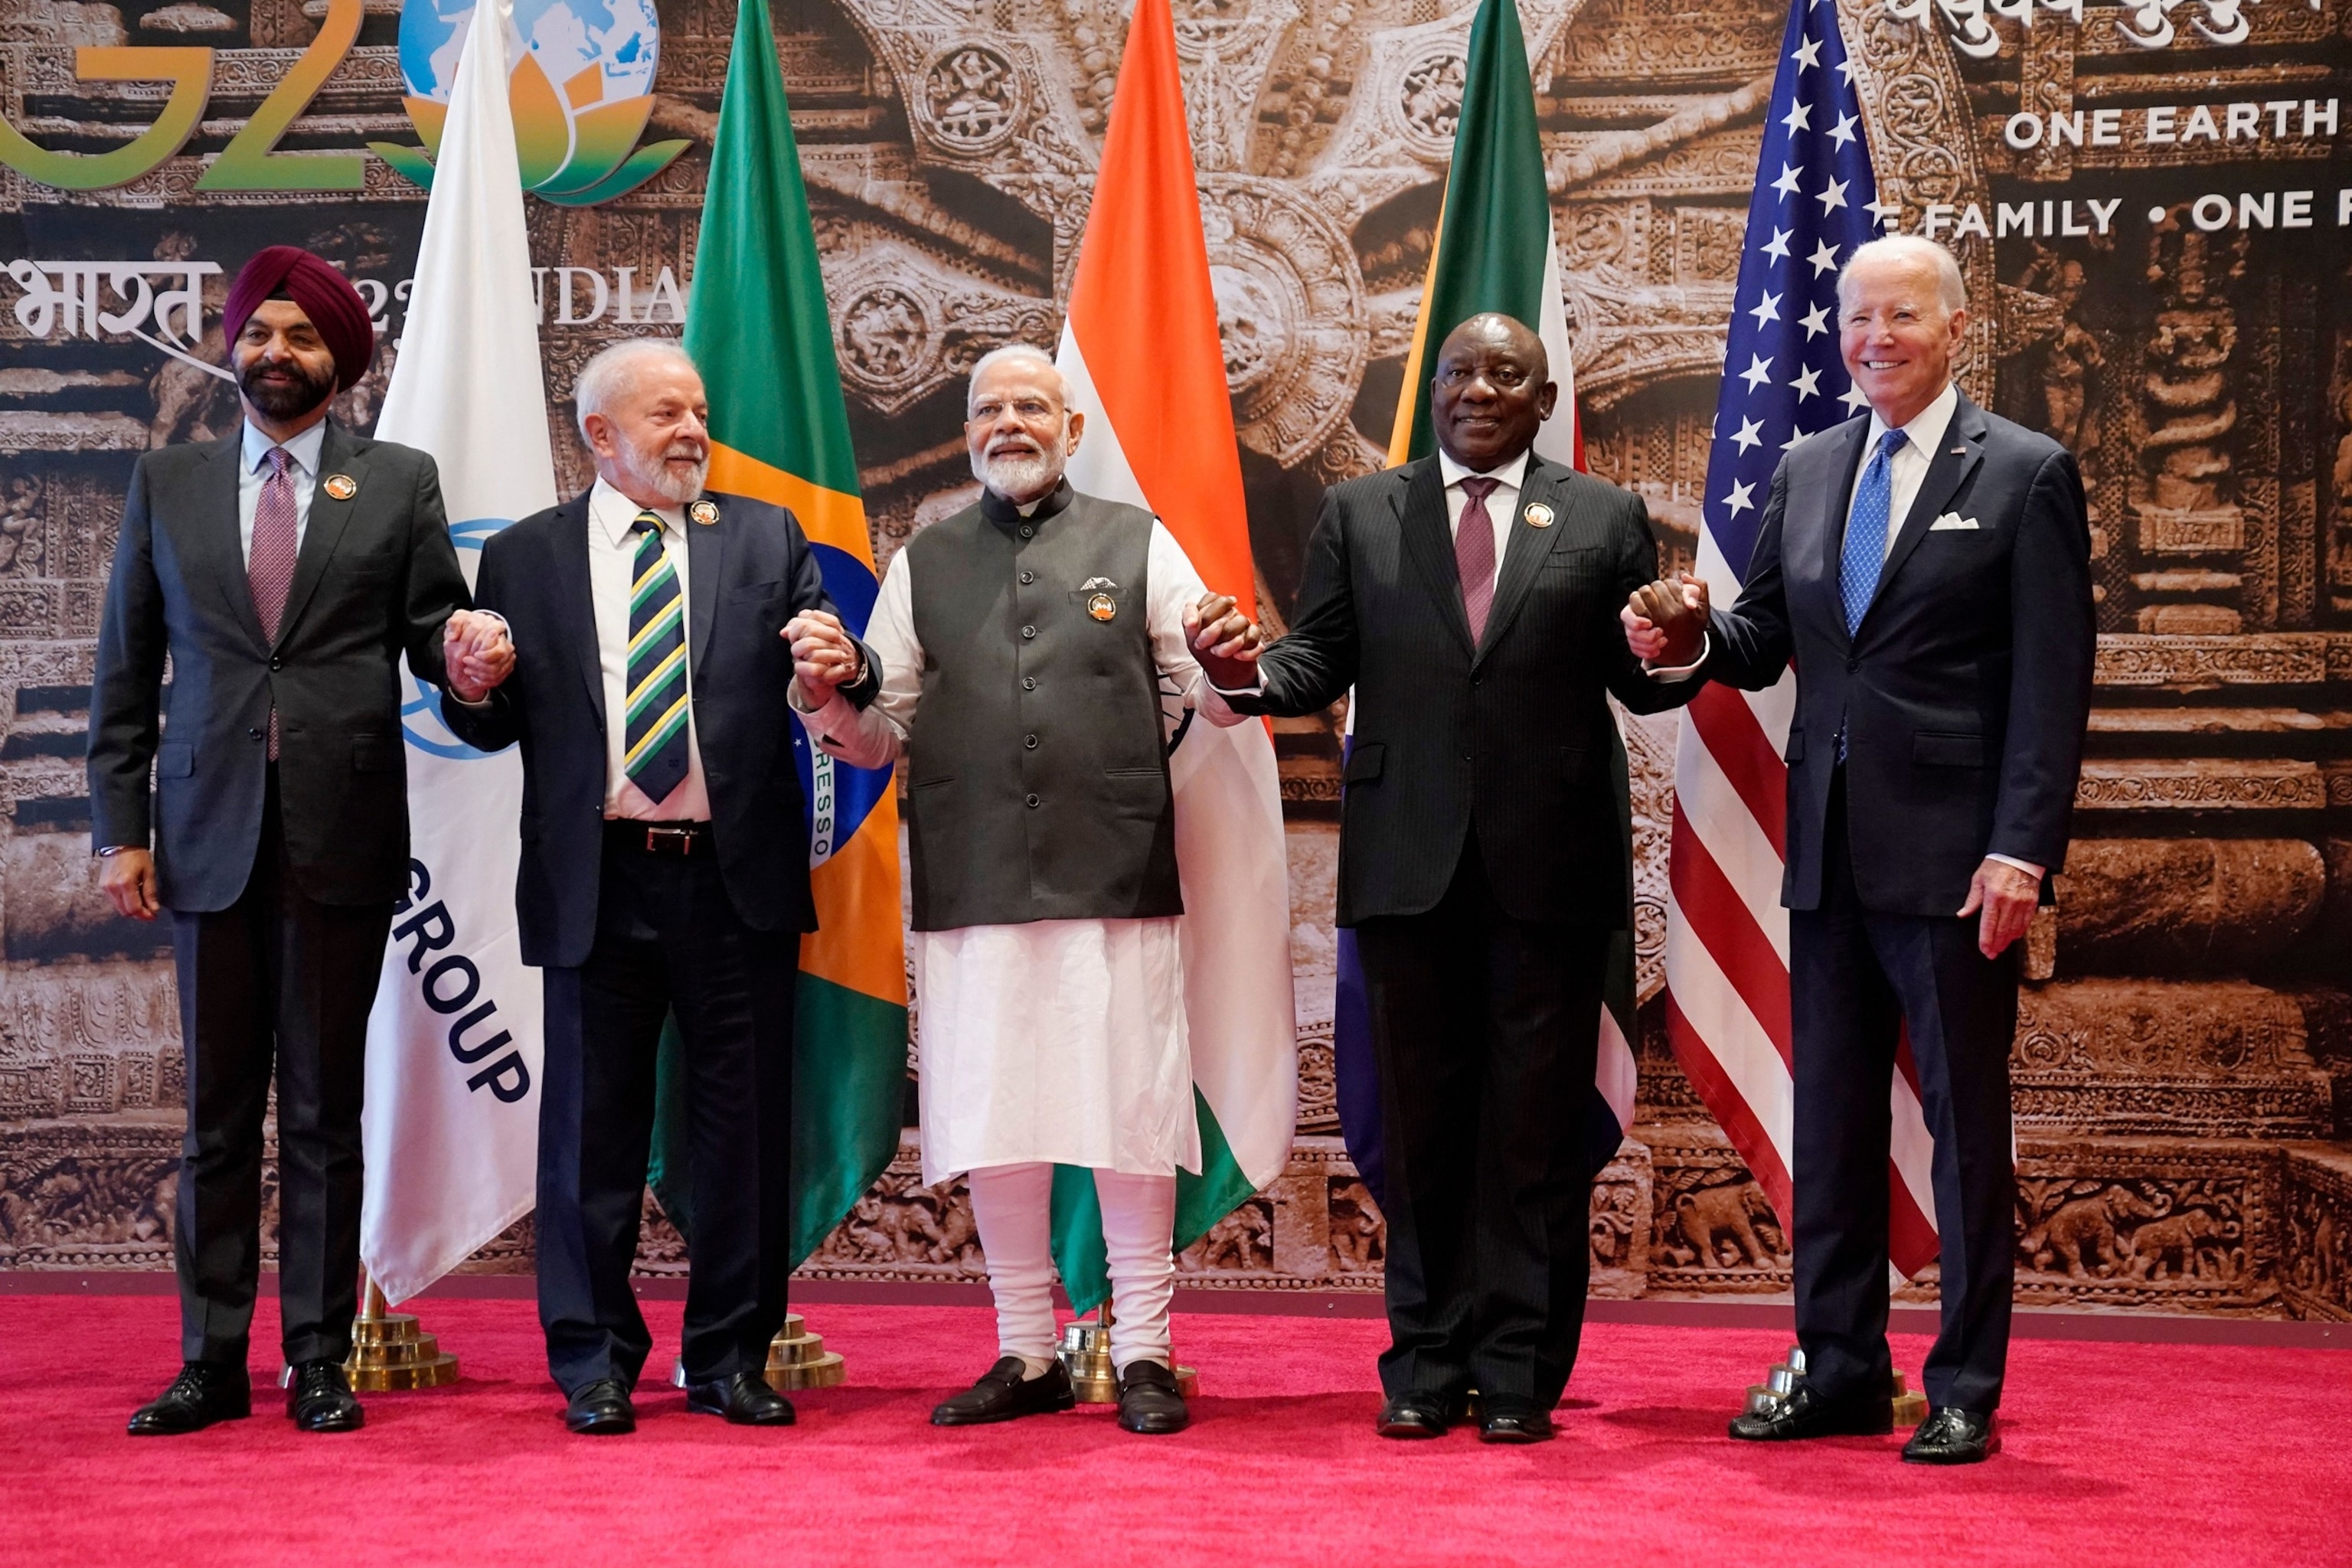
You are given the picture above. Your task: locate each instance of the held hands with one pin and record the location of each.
(824, 657)
(1665, 622)
(2003, 898)
(127, 878)
(476, 654)
(1226, 642)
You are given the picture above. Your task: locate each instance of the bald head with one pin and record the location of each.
(1491, 391)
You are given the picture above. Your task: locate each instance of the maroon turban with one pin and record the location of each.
(325, 295)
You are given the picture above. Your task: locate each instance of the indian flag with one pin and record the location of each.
(1496, 249)
(757, 326)
(1145, 365)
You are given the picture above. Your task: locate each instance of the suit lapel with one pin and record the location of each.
(219, 535)
(1948, 467)
(1523, 557)
(322, 531)
(706, 556)
(1420, 515)
(1842, 456)
(575, 596)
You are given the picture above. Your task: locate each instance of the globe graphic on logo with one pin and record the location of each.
(580, 82)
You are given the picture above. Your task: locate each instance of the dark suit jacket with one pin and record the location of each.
(1966, 688)
(1513, 735)
(747, 574)
(376, 578)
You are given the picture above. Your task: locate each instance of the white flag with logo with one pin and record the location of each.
(453, 1066)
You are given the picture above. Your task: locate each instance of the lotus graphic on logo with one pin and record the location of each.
(582, 88)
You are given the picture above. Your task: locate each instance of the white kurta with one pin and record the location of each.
(1055, 1040)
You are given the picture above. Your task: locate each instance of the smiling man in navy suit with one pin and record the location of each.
(1927, 569)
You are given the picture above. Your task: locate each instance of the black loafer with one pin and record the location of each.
(1417, 1413)
(1805, 1414)
(744, 1399)
(203, 1393)
(1148, 1400)
(1513, 1421)
(318, 1398)
(601, 1409)
(1006, 1392)
(1952, 1436)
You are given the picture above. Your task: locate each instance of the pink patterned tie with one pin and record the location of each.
(1473, 554)
(269, 569)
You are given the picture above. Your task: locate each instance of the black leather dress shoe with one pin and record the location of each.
(1417, 1413)
(203, 1393)
(1806, 1415)
(599, 1409)
(1513, 1421)
(744, 1399)
(1006, 1392)
(1148, 1400)
(1952, 1436)
(320, 1399)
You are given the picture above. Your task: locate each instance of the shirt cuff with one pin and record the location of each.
(1255, 689)
(451, 693)
(2028, 867)
(1682, 673)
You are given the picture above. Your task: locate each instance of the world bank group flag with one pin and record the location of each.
(1727, 934)
(451, 1124)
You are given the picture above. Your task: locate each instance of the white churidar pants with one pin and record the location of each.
(1013, 1206)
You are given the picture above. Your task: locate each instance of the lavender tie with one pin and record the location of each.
(269, 569)
(1473, 554)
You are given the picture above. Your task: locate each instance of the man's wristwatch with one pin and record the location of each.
(113, 850)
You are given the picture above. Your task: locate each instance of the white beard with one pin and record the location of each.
(648, 470)
(1025, 477)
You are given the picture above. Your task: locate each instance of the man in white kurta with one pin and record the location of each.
(1034, 664)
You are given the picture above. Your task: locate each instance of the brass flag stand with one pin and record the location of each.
(1085, 1356)
(797, 1360)
(390, 1351)
(1781, 1383)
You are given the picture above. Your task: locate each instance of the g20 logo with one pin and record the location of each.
(582, 88)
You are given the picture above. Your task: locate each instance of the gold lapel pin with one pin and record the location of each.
(342, 486)
(705, 512)
(1102, 607)
(1537, 515)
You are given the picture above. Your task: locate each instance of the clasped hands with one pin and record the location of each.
(825, 656)
(1224, 640)
(1665, 621)
(476, 655)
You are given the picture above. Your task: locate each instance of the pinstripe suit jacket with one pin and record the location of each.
(1512, 735)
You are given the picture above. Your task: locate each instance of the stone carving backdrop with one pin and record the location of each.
(2184, 1061)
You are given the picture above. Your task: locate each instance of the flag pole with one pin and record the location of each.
(391, 1351)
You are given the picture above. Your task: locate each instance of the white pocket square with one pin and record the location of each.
(1951, 520)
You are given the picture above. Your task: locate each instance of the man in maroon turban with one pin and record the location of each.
(283, 573)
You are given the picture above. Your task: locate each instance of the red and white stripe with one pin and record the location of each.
(1727, 949)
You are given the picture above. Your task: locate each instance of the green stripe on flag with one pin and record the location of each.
(1497, 215)
(1200, 1202)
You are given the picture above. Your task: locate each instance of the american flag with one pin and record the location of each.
(1726, 935)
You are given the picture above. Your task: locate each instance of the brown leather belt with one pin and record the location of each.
(679, 838)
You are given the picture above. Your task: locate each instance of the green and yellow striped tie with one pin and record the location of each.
(655, 753)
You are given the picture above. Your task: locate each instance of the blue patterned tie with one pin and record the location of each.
(1865, 531)
(654, 755)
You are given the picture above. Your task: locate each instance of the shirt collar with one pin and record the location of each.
(615, 513)
(303, 448)
(1926, 428)
(1512, 475)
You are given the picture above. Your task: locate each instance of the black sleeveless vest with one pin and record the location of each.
(1036, 774)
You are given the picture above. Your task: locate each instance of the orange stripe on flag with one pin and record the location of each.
(856, 943)
(1145, 317)
(827, 517)
(1409, 393)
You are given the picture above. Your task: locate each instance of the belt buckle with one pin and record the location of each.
(661, 840)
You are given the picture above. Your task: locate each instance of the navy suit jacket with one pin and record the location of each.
(748, 574)
(1513, 733)
(376, 578)
(1966, 690)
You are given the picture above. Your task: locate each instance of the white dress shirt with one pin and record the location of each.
(1502, 502)
(1907, 469)
(612, 568)
(303, 470)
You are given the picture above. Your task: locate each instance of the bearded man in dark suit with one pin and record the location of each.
(283, 572)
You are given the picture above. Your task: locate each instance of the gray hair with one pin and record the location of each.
(613, 374)
(1951, 288)
(1029, 353)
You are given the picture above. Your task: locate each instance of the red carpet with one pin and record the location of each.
(2115, 1453)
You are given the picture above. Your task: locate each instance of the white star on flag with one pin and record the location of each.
(1842, 131)
(1750, 434)
(1853, 399)
(1794, 436)
(1787, 184)
(1832, 196)
(1738, 499)
(1809, 53)
(1758, 372)
(1798, 118)
(1824, 258)
(1816, 321)
(1776, 248)
(1767, 309)
(1808, 383)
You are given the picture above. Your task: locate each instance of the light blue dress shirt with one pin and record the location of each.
(303, 470)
